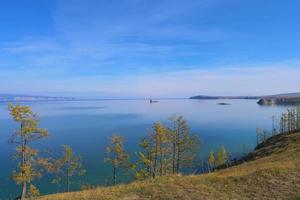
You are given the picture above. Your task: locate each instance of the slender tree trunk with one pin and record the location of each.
(174, 157)
(23, 163)
(68, 178)
(23, 195)
(273, 126)
(282, 124)
(175, 138)
(207, 167)
(68, 183)
(155, 160)
(114, 176)
(178, 149)
(178, 158)
(149, 167)
(161, 162)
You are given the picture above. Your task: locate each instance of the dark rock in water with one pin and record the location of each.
(153, 101)
(223, 104)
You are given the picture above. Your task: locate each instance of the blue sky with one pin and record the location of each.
(149, 48)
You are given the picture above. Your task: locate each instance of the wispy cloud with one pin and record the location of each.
(115, 37)
(248, 80)
(259, 79)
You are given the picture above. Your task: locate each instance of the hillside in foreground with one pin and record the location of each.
(272, 171)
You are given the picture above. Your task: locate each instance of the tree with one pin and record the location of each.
(167, 150)
(66, 167)
(298, 118)
(27, 156)
(282, 124)
(160, 149)
(245, 150)
(274, 129)
(261, 136)
(290, 120)
(184, 144)
(154, 156)
(211, 160)
(116, 155)
(143, 165)
(222, 156)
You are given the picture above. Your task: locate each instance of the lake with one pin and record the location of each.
(87, 126)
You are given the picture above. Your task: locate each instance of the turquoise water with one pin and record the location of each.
(87, 126)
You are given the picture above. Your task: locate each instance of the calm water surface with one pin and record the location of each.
(87, 126)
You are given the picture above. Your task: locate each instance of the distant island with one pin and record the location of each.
(223, 104)
(225, 97)
(278, 99)
(14, 98)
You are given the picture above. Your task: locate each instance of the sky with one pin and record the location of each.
(149, 48)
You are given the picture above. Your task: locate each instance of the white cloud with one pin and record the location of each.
(260, 79)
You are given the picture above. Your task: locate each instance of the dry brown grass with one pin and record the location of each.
(271, 172)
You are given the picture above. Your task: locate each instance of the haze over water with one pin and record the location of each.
(87, 126)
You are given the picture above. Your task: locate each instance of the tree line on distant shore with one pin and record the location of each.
(167, 149)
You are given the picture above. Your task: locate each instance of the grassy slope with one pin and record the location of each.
(272, 171)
